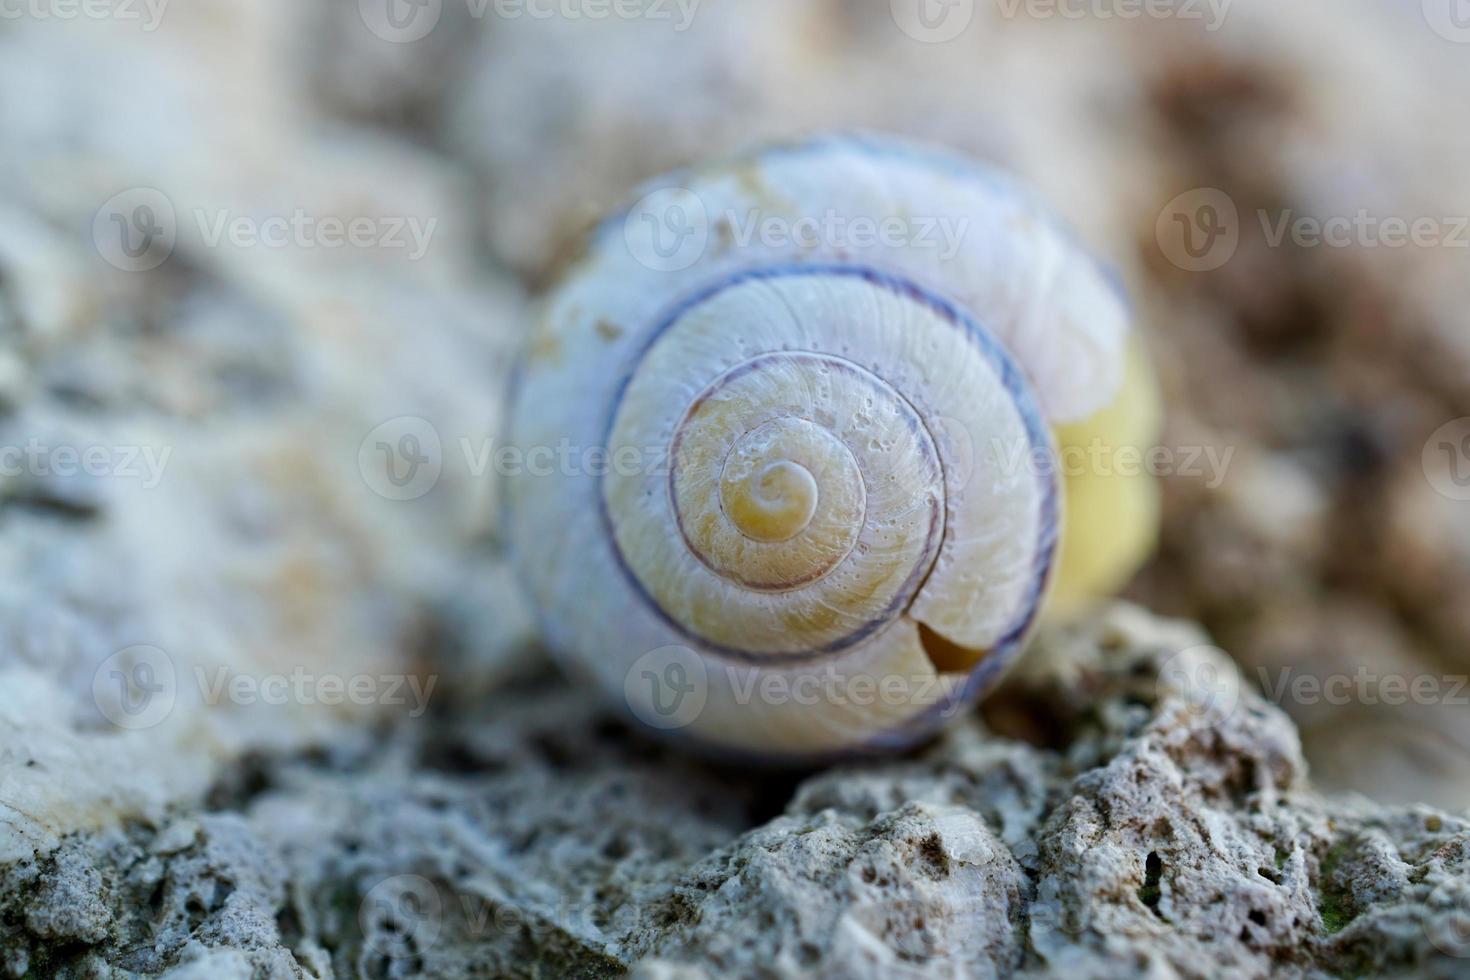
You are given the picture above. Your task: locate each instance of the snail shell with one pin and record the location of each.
(795, 509)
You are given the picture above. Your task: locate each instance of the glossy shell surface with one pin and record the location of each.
(795, 498)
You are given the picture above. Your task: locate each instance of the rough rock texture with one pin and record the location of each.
(1089, 826)
(255, 375)
(240, 396)
(1156, 819)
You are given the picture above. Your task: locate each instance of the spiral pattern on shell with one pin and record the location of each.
(835, 485)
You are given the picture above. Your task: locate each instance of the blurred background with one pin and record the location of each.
(245, 244)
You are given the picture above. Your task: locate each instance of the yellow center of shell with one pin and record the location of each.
(772, 508)
(773, 503)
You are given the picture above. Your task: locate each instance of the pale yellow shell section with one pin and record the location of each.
(1112, 510)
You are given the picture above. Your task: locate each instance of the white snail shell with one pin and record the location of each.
(803, 529)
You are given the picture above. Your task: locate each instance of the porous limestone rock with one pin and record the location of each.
(240, 398)
(1120, 807)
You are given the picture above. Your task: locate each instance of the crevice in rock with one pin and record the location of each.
(1150, 891)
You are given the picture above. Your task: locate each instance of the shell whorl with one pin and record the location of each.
(851, 450)
(834, 455)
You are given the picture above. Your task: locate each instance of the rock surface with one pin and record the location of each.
(193, 487)
(1123, 807)
(1095, 822)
